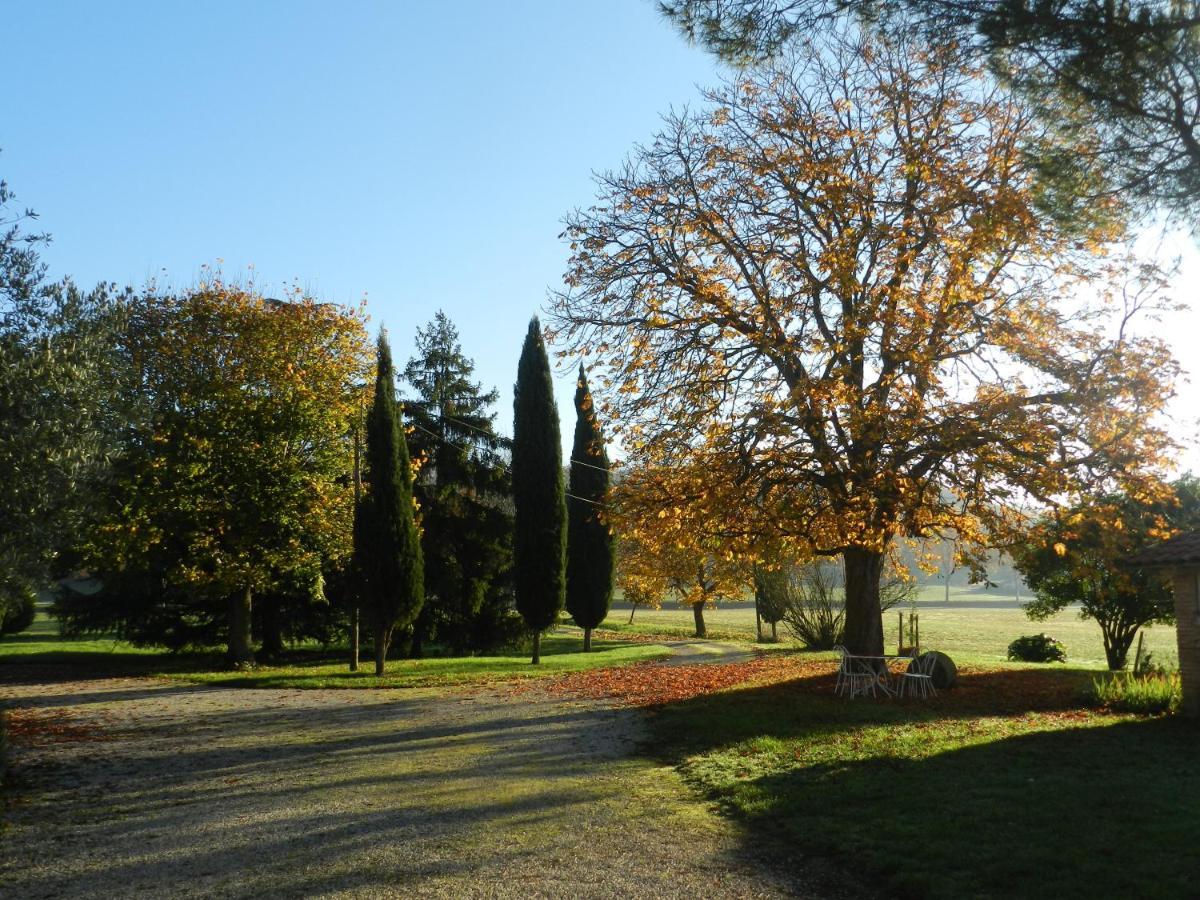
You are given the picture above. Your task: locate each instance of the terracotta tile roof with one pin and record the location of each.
(1183, 549)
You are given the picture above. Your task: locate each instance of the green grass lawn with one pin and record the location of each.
(977, 635)
(312, 667)
(1011, 785)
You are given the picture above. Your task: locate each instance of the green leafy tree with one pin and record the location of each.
(56, 407)
(232, 479)
(388, 549)
(464, 495)
(1123, 71)
(540, 533)
(590, 551)
(1074, 558)
(771, 592)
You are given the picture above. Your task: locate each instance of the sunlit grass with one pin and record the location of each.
(966, 634)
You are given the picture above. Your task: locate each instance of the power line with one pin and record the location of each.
(578, 462)
(500, 462)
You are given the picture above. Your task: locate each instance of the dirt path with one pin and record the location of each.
(132, 787)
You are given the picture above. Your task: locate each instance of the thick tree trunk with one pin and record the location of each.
(382, 638)
(272, 627)
(774, 632)
(354, 639)
(757, 622)
(537, 647)
(587, 640)
(864, 619)
(241, 647)
(698, 615)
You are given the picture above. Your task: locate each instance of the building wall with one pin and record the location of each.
(1187, 617)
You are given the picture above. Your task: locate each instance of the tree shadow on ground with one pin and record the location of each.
(288, 793)
(1011, 785)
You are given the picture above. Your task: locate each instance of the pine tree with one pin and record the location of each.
(388, 552)
(540, 534)
(589, 539)
(464, 495)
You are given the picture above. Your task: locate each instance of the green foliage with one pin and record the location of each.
(388, 553)
(232, 473)
(464, 495)
(591, 554)
(540, 534)
(1076, 558)
(19, 613)
(56, 408)
(1037, 648)
(1150, 694)
(1112, 79)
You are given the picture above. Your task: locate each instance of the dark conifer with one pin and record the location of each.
(589, 539)
(464, 495)
(388, 549)
(540, 533)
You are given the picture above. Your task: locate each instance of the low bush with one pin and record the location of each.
(1149, 694)
(1037, 648)
(17, 611)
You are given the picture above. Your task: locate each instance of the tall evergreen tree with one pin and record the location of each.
(540, 534)
(590, 561)
(464, 493)
(388, 552)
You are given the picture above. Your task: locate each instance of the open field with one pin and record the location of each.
(968, 634)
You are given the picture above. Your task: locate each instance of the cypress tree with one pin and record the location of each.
(589, 539)
(540, 534)
(387, 548)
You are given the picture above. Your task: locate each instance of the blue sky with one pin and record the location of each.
(422, 154)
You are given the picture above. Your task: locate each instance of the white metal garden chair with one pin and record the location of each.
(918, 679)
(855, 675)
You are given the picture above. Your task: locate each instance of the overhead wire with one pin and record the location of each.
(500, 461)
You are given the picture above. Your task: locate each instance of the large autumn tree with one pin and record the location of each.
(830, 308)
(234, 473)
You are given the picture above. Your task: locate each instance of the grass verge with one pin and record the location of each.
(312, 667)
(1011, 785)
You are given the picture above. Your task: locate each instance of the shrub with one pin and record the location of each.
(1150, 694)
(18, 612)
(1037, 648)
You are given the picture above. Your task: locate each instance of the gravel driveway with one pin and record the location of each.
(135, 787)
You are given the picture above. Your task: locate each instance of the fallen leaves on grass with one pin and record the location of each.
(652, 683)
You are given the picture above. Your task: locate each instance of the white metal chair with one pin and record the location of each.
(918, 679)
(855, 675)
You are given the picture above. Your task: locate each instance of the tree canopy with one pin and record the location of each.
(1126, 72)
(829, 306)
(233, 471)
